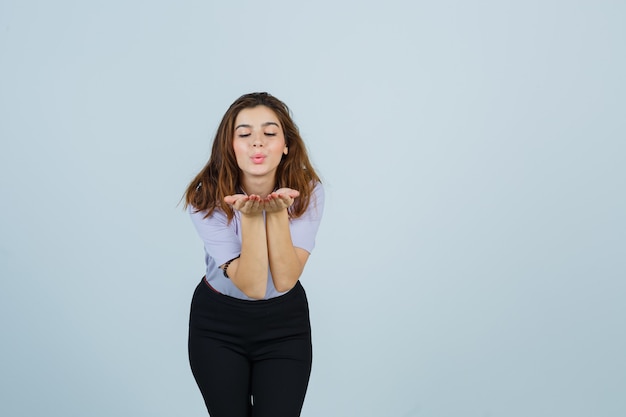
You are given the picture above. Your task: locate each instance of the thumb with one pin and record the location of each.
(231, 199)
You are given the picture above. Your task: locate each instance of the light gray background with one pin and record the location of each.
(472, 257)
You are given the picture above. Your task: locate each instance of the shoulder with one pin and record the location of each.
(315, 207)
(316, 188)
(318, 193)
(202, 216)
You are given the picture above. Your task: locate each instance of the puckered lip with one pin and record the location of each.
(258, 158)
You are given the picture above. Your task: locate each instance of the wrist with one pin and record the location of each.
(252, 216)
(278, 213)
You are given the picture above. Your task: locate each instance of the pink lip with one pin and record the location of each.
(258, 158)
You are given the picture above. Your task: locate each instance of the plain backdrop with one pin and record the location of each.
(472, 257)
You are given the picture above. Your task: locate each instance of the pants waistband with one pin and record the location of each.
(219, 297)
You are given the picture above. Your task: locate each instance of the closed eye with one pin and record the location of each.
(244, 135)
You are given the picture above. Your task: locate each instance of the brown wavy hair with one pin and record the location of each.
(221, 176)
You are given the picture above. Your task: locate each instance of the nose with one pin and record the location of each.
(257, 141)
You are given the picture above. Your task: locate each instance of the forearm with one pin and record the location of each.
(284, 263)
(249, 271)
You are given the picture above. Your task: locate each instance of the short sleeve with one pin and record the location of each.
(304, 228)
(220, 238)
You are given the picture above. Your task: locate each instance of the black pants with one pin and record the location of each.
(250, 358)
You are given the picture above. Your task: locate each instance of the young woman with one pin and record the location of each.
(256, 205)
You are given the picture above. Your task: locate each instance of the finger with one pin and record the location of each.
(248, 204)
(289, 191)
(231, 199)
(286, 199)
(240, 204)
(243, 204)
(281, 202)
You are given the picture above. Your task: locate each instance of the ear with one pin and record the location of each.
(286, 150)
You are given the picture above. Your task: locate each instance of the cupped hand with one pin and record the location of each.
(245, 204)
(280, 199)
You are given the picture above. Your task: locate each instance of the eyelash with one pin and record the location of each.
(245, 135)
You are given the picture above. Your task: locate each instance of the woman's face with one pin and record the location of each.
(259, 142)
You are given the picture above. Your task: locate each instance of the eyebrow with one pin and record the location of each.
(263, 125)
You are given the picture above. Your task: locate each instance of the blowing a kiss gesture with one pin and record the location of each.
(249, 328)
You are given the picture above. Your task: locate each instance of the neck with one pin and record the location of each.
(260, 187)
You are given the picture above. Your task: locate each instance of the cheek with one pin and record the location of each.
(238, 149)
